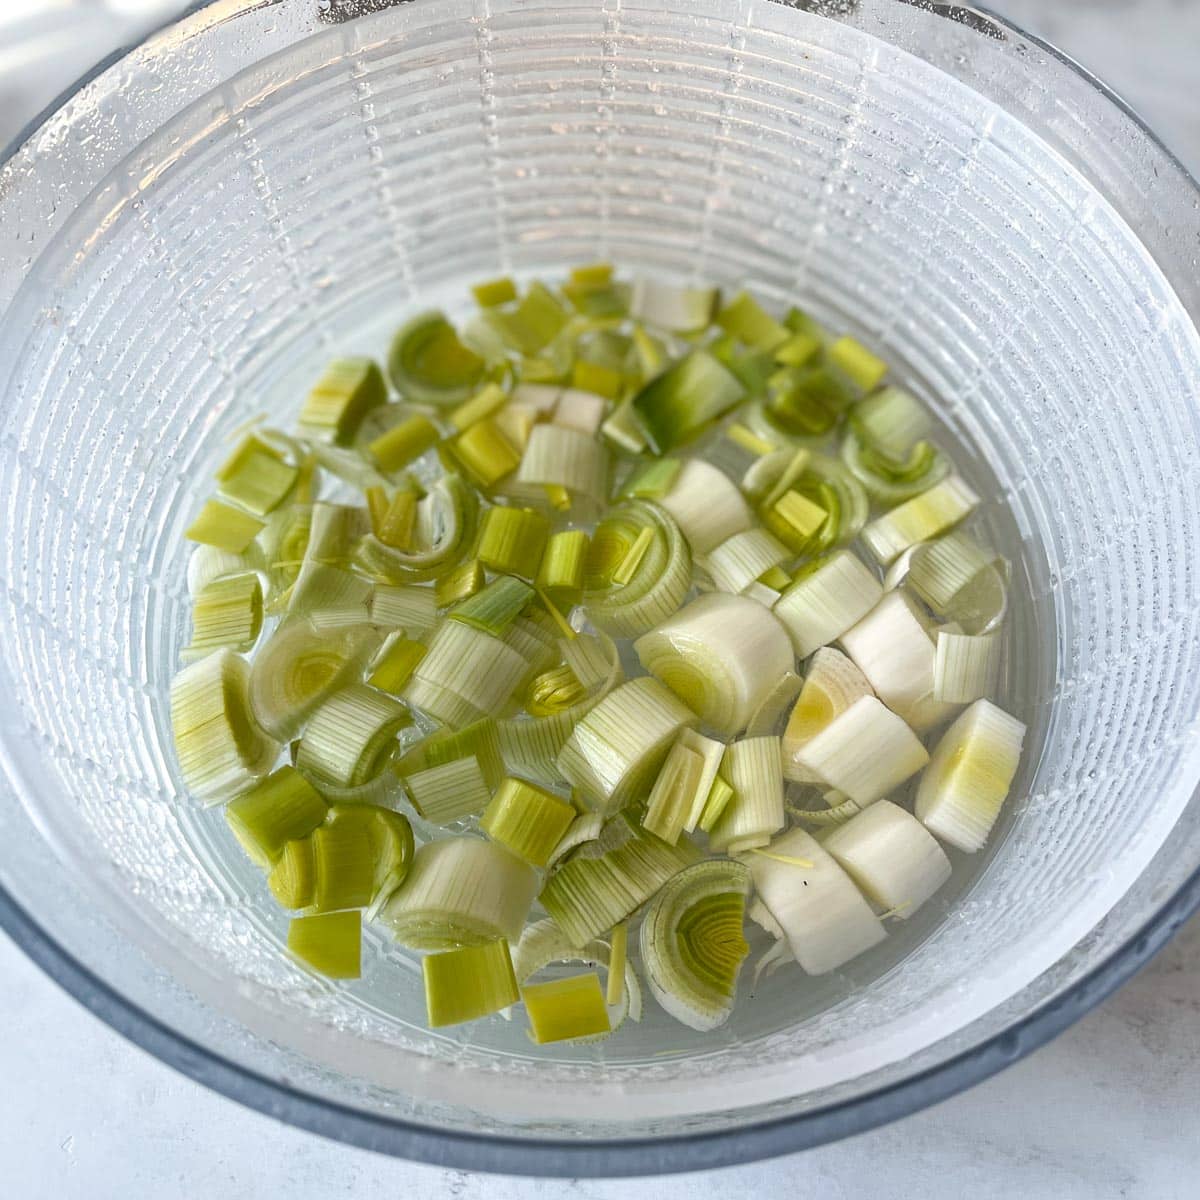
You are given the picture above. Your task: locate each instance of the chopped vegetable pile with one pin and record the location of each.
(419, 614)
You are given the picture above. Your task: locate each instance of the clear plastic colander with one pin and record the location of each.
(264, 184)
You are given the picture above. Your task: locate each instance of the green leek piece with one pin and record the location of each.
(459, 892)
(377, 506)
(799, 350)
(460, 584)
(223, 526)
(595, 377)
(560, 575)
(468, 983)
(828, 485)
(746, 319)
(607, 879)
(480, 740)
(278, 809)
(513, 540)
(344, 857)
(293, 879)
(800, 322)
(597, 274)
(493, 292)
(748, 440)
(673, 794)
(563, 1009)
(627, 567)
(330, 943)
(776, 578)
(429, 364)
(334, 533)
(450, 791)
(927, 515)
(528, 820)
(220, 749)
(536, 320)
(496, 607)
(618, 747)
(719, 796)
(350, 737)
(855, 360)
(687, 397)
(566, 460)
(891, 481)
(404, 443)
(394, 666)
(341, 398)
(654, 480)
(804, 516)
(485, 403)
(485, 453)
(805, 401)
(256, 477)
(398, 522)
(693, 945)
(553, 691)
(227, 612)
(299, 666)
(753, 767)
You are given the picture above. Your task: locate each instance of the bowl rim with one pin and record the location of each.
(554, 1157)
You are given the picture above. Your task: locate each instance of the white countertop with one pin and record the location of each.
(1111, 1109)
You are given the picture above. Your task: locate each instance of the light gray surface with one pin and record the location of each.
(1109, 1110)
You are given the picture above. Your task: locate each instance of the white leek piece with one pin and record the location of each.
(833, 683)
(928, 515)
(299, 666)
(562, 456)
(350, 738)
(966, 668)
(707, 506)
(583, 411)
(449, 791)
(754, 769)
(621, 743)
(675, 309)
(692, 942)
(893, 648)
(460, 891)
(329, 595)
(412, 609)
(221, 751)
(210, 563)
(826, 600)
(961, 581)
(969, 775)
(774, 704)
(467, 671)
(721, 655)
(823, 915)
(739, 560)
(865, 752)
(891, 856)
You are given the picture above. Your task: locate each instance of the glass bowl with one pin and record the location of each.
(261, 185)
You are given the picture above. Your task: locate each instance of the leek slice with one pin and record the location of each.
(833, 683)
(896, 863)
(226, 612)
(219, 748)
(566, 1009)
(207, 564)
(614, 989)
(692, 942)
(485, 453)
(674, 793)
(299, 666)
(960, 581)
(404, 443)
(581, 410)
(470, 675)
(671, 308)
(449, 791)
(854, 359)
(403, 607)
(560, 575)
(966, 668)
(529, 821)
(256, 476)
(221, 525)
(468, 983)
(293, 879)
(460, 584)
(711, 753)
(493, 292)
(276, 810)
(969, 775)
(513, 540)
(925, 516)
(328, 596)
(825, 484)
(720, 796)
(533, 323)
(706, 505)
(685, 399)
(460, 891)
(892, 647)
(347, 390)
(805, 401)
(606, 880)
(865, 752)
(496, 607)
(815, 903)
(828, 598)
(720, 655)
(619, 745)
(753, 768)
(892, 481)
(350, 737)
(330, 943)
(774, 704)
(656, 586)
(741, 559)
(487, 402)
(560, 456)
(749, 322)
(429, 364)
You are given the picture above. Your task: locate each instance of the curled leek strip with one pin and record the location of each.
(658, 582)
(890, 481)
(428, 364)
(692, 942)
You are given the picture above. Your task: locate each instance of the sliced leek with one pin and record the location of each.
(692, 942)
(226, 612)
(685, 399)
(430, 365)
(341, 398)
(892, 858)
(754, 770)
(960, 581)
(721, 655)
(351, 736)
(966, 668)
(330, 943)
(831, 685)
(675, 309)
(276, 810)
(741, 559)
(566, 1009)
(513, 540)
(969, 775)
(225, 527)
(925, 516)
(496, 607)
(465, 674)
(531, 822)
(449, 791)
(468, 983)
(563, 456)
(826, 600)
(706, 505)
(412, 610)
(674, 793)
